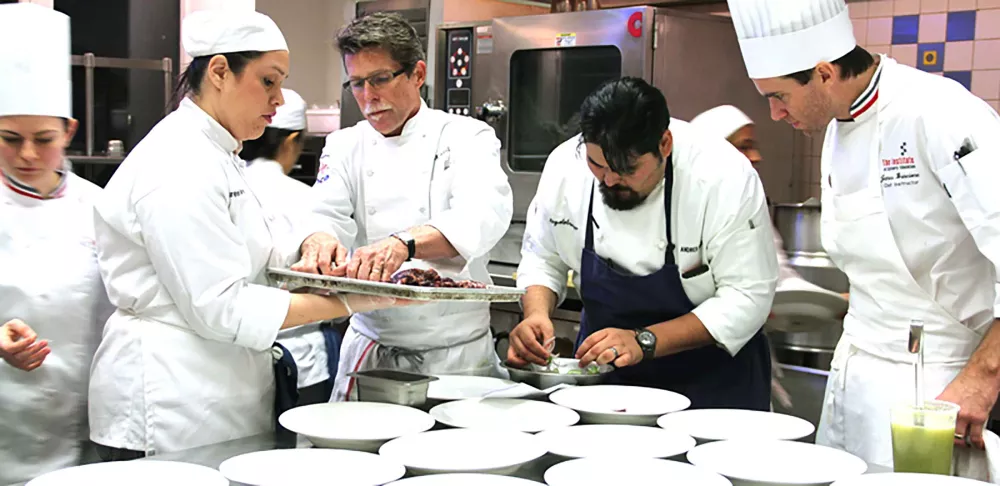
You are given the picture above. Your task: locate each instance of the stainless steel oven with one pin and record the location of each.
(527, 76)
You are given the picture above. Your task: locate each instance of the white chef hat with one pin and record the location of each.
(210, 32)
(34, 61)
(721, 121)
(781, 37)
(292, 114)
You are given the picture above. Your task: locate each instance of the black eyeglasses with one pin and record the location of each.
(377, 80)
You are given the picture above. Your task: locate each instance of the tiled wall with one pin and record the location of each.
(959, 39)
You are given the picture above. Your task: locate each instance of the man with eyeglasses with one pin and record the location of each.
(408, 187)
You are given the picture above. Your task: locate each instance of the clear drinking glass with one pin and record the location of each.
(923, 437)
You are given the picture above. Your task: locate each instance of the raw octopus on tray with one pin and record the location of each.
(430, 278)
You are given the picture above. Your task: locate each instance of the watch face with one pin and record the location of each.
(647, 338)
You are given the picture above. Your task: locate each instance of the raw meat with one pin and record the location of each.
(430, 278)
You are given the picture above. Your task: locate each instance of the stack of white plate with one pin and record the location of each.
(309, 467)
(464, 451)
(907, 479)
(749, 462)
(614, 440)
(616, 470)
(471, 479)
(360, 426)
(504, 413)
(708, 425)
(131, 473)
(619, 404)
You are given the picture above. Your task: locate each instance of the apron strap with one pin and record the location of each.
(415, 357)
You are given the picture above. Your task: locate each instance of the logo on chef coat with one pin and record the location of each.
(562, 222)
(322, 175)
(900, 171)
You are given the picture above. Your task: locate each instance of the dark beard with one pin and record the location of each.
(620, 198)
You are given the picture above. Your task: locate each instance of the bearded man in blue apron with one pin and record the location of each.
(667, 232)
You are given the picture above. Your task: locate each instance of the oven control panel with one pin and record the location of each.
(458, 90)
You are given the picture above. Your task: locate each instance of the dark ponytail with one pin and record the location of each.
(268, 145)
(189, 82)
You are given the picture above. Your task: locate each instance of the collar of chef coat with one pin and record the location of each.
(268, 165)
(25, 193)
(212, 128)
(411, 128)
(864, 106)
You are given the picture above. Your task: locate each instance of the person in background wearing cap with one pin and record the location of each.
(52, 302)
(410, 187)
(730, 123)
(315, 348)
(675, 258)
(183, 244)
(908, 174)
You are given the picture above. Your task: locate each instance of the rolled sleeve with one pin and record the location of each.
(481, 204)
(333, 195)
(739, 247)
(208, 276)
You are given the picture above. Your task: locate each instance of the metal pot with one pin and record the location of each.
(799, 226)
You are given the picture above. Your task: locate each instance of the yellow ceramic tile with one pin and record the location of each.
(860, 31)
(859, 10)
(986, 84)
(879, 31)
(934, 6)
(988, 4)
(880, 8)
(906, 7)
(988, 24)
(958, 56)
(905, 54)
(986, 54)
(932, 28)
(955, 5)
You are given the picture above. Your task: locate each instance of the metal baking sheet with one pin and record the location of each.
(294, 280)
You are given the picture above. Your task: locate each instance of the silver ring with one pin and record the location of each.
(613, 350)
(964, 438)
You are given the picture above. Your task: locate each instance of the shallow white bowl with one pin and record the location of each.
(131, 473)
(462, 479)
(619, 404)
(907, 479)
(308, 467)
(464, 450)
(505, 414)
(360, 426)
(615, 440)
(749, 462)
(726, 424)
(635, 471)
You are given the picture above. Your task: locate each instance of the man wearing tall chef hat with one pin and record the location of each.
(669, 234)
(909, 171)
(52, 301)
(314, 348)
(408, 187)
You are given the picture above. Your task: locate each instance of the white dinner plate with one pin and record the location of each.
(619, 404)
(615, 440)
(462, 479)
(464, 450)
(360, 426)
(726, 424)
(131, 473)
(504, 413)
(308, 467)
(907, 479)
(611, 470)
(756, 462)
(800, 306)
(460, 387)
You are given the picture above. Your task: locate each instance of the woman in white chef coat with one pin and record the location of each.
(183, 246)
(908, 178)
(52, 301)
(315, 348)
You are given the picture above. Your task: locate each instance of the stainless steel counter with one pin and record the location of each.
(212, 456)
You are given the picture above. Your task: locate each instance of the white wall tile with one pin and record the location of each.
(955, 5)
(932, 27)
(988, 24)
(986, 54)
(879, 31)
(860, 31)
(905, 54)
(995, 104)
(880, 49)
(934, 6)
(859, 10)
(981, 4)
(958, 56)
(880, 8)
(906, 7)
(986, 84)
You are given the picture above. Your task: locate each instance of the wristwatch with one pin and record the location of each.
(647, 342)
(407, 239)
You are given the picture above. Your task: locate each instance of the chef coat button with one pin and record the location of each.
(661, 245)
(371, 211)
(423, 210)
(371, 173)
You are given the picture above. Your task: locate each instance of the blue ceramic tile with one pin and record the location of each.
(904, 29)
(930, 57)
(961, 26)
(963, 77)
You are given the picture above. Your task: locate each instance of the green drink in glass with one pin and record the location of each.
(923, 437)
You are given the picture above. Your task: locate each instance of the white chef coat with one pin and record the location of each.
(51, 282)
(290, 199)
(443, 171)
(183, 244)
(719, 218)
(919, 240)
